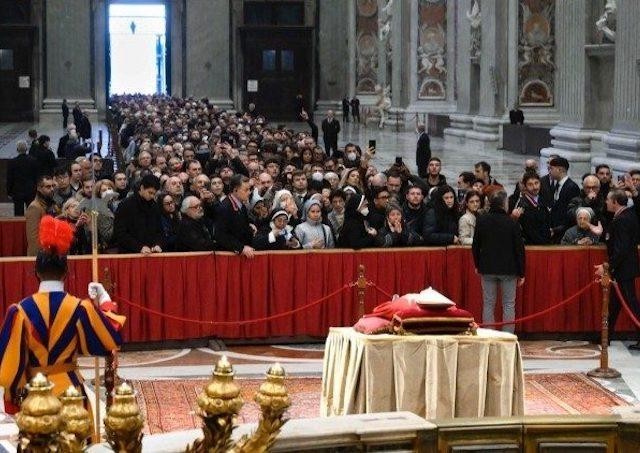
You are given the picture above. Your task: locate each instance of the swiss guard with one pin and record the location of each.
(45, 332)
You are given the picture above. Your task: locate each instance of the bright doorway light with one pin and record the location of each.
(137, 39)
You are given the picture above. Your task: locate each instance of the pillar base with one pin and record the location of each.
(574, 144)
(604, 373)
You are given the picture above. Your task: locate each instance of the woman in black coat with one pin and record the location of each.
(394, 232)
(441, 220)
(356, 232)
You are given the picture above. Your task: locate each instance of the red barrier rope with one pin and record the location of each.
(625, 305)
(518, 320)
(231, 323)
(380, 290)
(543, 312)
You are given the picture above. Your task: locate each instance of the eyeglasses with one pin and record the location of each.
(167, 203)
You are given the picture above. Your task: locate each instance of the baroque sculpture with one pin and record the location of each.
(383, 103)
(606, 24)
(475, 21)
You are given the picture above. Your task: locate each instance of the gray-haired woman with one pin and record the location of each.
(583, 233)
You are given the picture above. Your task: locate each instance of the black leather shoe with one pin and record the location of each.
(635, 347)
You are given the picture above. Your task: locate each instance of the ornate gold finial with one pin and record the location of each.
(218, 404)
(39, 417)
(124, 422)
(274, 401)
(75, 421)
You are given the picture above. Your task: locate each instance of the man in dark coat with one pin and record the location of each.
(498, 254)
(22, 175)
(622, 251)
(345, 108)
(77, 114)
(565, 191)
(531, 212)
(193, 235)
(330, 131)
(355, 109)
(423, 151)
(65, 114)
(233, 230)
(137, 224)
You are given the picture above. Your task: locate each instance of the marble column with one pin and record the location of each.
(68, 55)
(207, 51)
(177, 16)
(572, 137)
(336, 62)
(493, 75)
(467, 88)
(622, 143)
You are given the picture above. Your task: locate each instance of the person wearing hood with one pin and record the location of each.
(394, 232)
(312, 233)
(278, 235)
(283, 199)
(356, 232)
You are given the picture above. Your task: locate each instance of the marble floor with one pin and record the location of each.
(506, 165)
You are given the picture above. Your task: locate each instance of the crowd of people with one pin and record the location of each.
(199, 178)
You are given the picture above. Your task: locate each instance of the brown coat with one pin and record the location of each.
(35, 211)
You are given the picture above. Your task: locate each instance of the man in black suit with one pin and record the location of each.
(622, 251)
(345, 108)
(234, 232)
(330, 131)
(547, 186)
(22, 175)
(355, 109)
(565, 190)
(498, 254)
(423, 151)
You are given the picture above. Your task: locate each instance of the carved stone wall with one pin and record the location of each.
(536, 52)
(432, 49)
(366, 46)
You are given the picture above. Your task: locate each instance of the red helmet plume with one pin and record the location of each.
(56, 236)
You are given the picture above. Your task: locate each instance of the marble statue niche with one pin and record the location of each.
(432, 49)
(536, 48)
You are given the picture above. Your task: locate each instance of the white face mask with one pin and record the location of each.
(351, 156)
(364, 211)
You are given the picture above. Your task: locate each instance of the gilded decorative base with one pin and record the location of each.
(604, 373)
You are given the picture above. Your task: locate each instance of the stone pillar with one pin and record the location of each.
(466, 68)
(177, 17)
(571, 137)
(68, 55)
(622, 143)
(336, 35)
(493, 75)
(207, 51)
(100, 26)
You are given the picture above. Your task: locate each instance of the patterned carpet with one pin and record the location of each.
(168, 405)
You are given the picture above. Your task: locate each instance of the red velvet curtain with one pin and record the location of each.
(13, 237)
(225, 287)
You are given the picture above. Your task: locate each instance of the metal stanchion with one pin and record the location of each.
(604, 371)
(361, 284)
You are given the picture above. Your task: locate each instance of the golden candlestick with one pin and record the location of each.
(123, 424)
(75, 422)
(39, 417)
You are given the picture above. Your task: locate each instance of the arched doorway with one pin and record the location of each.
(138, 48)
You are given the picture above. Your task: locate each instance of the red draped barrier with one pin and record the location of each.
(13, 237)
(225, 287)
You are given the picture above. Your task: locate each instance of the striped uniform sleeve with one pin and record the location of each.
(13, 356)
(96, 332)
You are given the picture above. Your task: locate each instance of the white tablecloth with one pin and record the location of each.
(433, 376)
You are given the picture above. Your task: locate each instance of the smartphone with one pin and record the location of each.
(398, 160)
(621, 178)
(372, 144)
